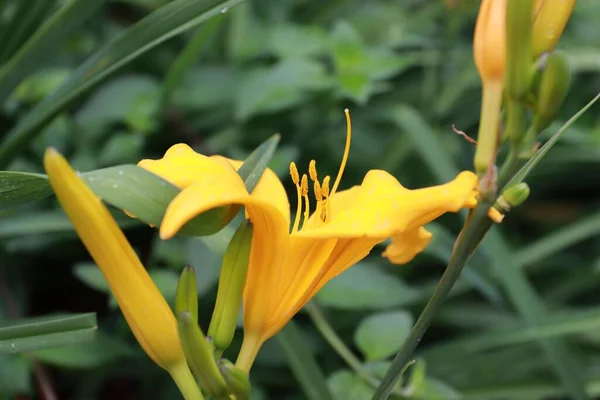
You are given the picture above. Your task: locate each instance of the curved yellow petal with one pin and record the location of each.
(406, 245)
(146, 311)
(182, 166)
(342, 256)
(269, 188)
(269, 240)
(383, 207)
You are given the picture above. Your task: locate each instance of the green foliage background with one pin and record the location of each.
(405, 71)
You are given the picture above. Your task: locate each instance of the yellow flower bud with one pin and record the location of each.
(489, 48)
(146, 311)
(489, 43)
(550, 19)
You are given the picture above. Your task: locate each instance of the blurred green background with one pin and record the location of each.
(405, 71)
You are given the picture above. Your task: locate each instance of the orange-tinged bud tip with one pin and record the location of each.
(489, 42)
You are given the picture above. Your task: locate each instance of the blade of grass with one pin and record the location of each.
(303, 365)
(43, 43)
(168, 21)
(190, 54)
(561, 239)
(533, 161)
(24, 21)
(573, 323)
(511, 277)
(46, 332)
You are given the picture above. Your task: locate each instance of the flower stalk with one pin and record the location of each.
(474, 230)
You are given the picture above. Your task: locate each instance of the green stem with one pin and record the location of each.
(474, 229)
(331, 336)
(185, 382)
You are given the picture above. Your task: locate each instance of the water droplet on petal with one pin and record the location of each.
(224, 10)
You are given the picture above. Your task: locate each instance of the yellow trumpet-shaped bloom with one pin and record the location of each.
(146, 311)
(288, 267)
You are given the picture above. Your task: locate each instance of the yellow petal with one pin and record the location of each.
(144, 308)
(383, 207)
(344, 254)
(406, 245)
(269, 240)
(182, 166)
(269, 188)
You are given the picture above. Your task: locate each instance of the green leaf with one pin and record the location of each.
(103, 350)
(380, 335)
(46, 332)
(15, 376)
(345, 385)
(20, 187)
(277, 87)
(44, 42)
(117, 100)
(168, 21)
(303, 365)
(131, 188)
(350, 60)
(366, 286)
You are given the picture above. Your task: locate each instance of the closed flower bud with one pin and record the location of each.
(551, 91)
(236, 378)
(550, 19)
(489, 48)
(200, 357)
(231, 287)
(489, 43)
(514, 196)
(186, 298)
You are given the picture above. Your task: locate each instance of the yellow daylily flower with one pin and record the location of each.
(146, 311)
(288, 267)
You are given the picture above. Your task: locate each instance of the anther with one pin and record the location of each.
(318, 191)
(312, 170)
(304, 185)
(294, 173)
(325, 186)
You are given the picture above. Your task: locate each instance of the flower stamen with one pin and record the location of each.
(346, 152)
(296, 180)
(304, 187)
(325, 214)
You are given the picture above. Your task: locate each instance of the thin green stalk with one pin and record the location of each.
(474, 229)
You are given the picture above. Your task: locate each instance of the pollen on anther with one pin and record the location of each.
(294, 173)
(325, 186)
(318, 191)
(304, 185)
(312, 170)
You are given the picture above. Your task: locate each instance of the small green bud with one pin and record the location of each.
(186, 298)
(551, 91)
(236, 378)
(199, 354)
(231, 287)
(514, 196)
